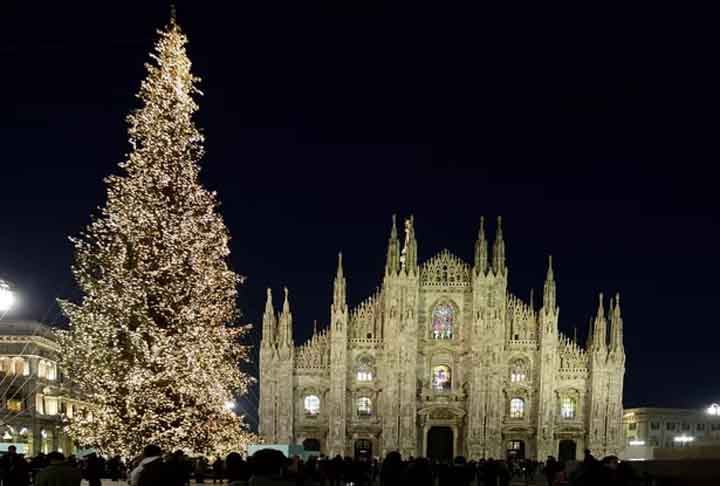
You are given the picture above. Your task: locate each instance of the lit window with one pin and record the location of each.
(363, 375)
(441, 378)
(442, 321)
(518, 373)
(312, 405)
(364, 406)
(14, 405)
(517, 408)
(568, 407)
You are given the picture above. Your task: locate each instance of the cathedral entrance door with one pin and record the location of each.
(363, 449)
(440, 444)
(567, 450)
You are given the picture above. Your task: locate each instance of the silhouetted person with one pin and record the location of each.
(267, 469)
(58, 473)
(150, 468)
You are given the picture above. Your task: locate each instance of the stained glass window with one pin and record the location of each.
(441, 378)
(517, 408)
(567, 408)
(442, 321)
(364, 406)
(312, 405)
(517, 372)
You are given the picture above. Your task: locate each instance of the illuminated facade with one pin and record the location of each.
(35, 395)
(443, 360)
(647, 429)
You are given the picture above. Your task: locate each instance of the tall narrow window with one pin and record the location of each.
(441, 378)
(568, 406)
(517, 408)
(443, 317)
(312, 405)
(364, 407)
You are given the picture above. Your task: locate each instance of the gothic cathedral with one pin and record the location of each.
(443, 361)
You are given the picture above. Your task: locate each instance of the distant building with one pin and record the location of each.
(35, 397)
(444, 360)
(648, 429)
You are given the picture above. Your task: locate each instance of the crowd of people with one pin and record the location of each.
(269, 467)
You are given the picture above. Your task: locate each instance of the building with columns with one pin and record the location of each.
(35, 396)
(444, 360)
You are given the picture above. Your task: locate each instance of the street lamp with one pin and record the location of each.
(7, 297)
(714, 409)
(683, 439)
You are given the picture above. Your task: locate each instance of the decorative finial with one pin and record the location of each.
(173, 13)
(601, 309)
(481, 232)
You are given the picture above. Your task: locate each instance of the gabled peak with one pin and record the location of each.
(445, 269)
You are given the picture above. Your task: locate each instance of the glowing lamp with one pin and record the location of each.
(714, 409)
(229, 405)
(7, 296)
(683, 439)
(637, 442)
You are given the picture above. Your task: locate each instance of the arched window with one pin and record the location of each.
(441, 378)
(42, 369)
(312, 405)
(364, 407)
(19, 366)
(568, 406)
(443, 318)
(517, 408)
(518, 371)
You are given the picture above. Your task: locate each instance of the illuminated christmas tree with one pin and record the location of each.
(151, 344)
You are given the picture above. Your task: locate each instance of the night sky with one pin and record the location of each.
(594, 134)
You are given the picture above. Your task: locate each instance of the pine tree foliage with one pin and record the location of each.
(151, 344)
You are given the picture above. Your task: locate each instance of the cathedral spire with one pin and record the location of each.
(285, 323)
(499, 249)
(616, 326)
(600, 327)
(269, 322)
(392, 265)
(340, 293)
(549, 291)
(589, 341)
(481, 250)
(532, 299)
(408, 257)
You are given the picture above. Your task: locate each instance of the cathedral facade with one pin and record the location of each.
(443, 361)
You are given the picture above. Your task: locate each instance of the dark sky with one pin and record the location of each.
(593, 133)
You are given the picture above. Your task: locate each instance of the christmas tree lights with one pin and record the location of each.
(150, 345)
